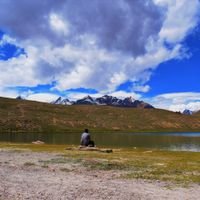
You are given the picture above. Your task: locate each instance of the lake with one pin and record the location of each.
(169, 141)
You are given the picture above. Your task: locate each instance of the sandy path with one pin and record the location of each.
(21, 180)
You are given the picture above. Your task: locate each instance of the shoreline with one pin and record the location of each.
(78, 131)
(29, 174)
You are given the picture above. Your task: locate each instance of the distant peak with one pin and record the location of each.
(131, 99)
(19, 97)
(88, 97)
(187, 112)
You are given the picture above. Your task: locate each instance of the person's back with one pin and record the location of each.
(85, 138)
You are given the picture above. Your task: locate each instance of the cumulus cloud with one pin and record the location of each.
(177, 101)
(143, 88)
(58, 24)
(92, 44)
(193, 106)
(180, 19)
(42, 97)
(124, 25)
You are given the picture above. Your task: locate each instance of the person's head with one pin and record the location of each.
(86, 130)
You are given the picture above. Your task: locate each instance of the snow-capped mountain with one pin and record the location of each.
(127, 102)
(88, 100)
(108, 100)
(187, 112)
(20, 98)
(62, 101)
(105, 100)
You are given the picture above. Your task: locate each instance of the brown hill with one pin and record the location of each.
(197, 113)
(29, 116)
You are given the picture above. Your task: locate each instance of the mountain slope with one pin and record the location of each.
(21, 115)
(197, 113)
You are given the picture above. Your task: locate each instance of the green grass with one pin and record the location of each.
(171, 166)
(55, 161)
(27, 164)
(64, 169)
(29, 116)
(179, 167)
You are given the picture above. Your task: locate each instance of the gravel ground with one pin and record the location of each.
(29, 175)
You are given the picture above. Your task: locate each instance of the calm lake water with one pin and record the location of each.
(170, 141)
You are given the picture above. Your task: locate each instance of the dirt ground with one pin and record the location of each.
(31, 175)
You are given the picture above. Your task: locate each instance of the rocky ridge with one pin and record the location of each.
(105, 100)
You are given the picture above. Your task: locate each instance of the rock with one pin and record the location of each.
(37, 142)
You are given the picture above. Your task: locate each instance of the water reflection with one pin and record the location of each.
(171, 141)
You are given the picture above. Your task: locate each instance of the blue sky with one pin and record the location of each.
(179, 75)
(146, 49)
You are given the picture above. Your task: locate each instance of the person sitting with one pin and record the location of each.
(86, 139)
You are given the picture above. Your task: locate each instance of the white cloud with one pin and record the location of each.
(193, 106)
(177, 101)
(116, 79)
(58, 24)
(181, 17)
(19, 71)
(7, 39)
(78, 47)
(42, 97)
(141, 88)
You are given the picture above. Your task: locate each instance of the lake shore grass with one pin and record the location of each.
(177, 167)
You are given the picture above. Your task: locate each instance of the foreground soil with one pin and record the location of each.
(25, 174)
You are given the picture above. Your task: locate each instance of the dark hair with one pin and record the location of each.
(86, 130)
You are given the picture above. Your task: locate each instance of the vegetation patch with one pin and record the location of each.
(55, 161)
(64, 169)
(44, 166)
(27, 164)
(170, 166)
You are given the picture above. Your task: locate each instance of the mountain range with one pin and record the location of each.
(105, 100)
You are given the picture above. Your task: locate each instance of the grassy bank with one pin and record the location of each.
(28, 116)
(177, 167)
